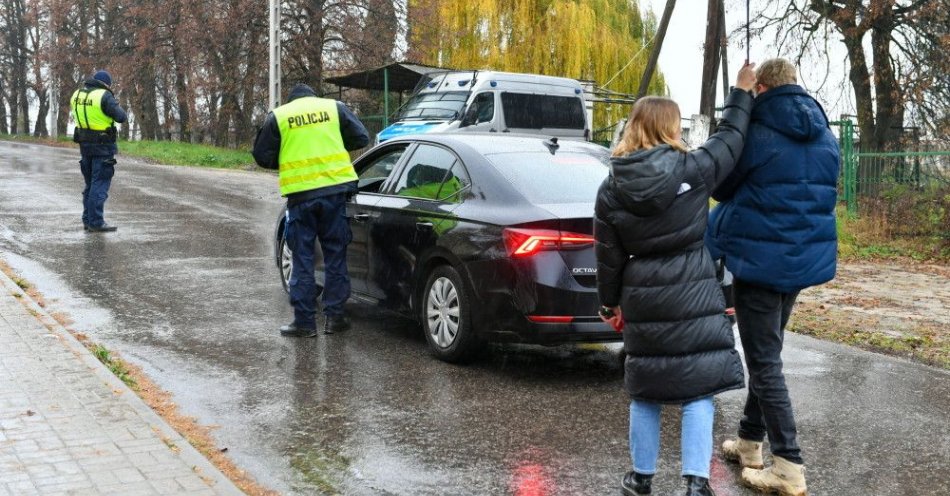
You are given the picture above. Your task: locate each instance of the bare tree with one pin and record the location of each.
(37, 43)
(14, 57)
(905, 70)
(186, 70)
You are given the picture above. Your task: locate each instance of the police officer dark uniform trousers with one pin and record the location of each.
(96, 111)
(307, 140)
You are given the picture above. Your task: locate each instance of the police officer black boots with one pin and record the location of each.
(335, 323)
(292, 331)
(103, 228)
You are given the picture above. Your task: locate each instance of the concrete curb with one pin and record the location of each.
(187, 452)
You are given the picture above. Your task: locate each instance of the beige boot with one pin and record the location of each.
(747, 453)
(783, 478)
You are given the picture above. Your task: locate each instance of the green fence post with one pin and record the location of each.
(850, 169)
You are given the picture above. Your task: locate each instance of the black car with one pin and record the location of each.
(481, 237)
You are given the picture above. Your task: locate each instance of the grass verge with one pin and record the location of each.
(115, 365)
(156, 398)
(922, 341)
(164, 152)
(175, 153)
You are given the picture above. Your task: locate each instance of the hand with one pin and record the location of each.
(615, 320)
(746, 78)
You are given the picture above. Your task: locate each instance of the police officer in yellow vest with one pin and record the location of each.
(308, 139)
(96, 111)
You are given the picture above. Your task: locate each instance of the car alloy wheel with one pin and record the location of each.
(445, 316)
(442, 312)
(286, 263)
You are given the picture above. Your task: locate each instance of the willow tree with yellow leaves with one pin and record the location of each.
(607, 41)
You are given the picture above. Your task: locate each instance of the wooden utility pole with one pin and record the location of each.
(707, 99)
(724, 45)
(655, 51)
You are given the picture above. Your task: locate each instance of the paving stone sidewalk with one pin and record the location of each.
(69, 426)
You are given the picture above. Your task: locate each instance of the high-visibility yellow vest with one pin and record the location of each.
(312, 154)
(87, 109)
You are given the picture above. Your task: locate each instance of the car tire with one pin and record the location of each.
(446, 318)
(284, 261)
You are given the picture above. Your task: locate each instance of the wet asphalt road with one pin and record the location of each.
(187, 289)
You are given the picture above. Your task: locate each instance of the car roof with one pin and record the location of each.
(488, 143)
(490, 183)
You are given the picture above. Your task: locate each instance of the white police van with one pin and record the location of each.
(491, 101)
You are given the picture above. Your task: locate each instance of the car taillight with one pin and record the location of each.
(527, 242)
(551, 319)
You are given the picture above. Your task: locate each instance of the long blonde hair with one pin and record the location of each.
(653, 121)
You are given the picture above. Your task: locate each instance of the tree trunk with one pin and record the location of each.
(889, 115)
(3, 113)
(146, 105)
(42, 114)
(24, 111)
(13, 97)
(181, 97)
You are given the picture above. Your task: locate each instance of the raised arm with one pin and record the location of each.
(719, 154)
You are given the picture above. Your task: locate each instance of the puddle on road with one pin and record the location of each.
(60, 298)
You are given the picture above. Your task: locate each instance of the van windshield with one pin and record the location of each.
(442, 105)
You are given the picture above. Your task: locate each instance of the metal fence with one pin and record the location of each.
(867, 176)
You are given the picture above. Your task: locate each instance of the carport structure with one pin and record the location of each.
(400, 77)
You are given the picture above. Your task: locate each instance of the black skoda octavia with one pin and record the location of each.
(480, 237)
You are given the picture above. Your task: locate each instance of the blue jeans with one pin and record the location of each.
(762, 315)
(97, 172)
(696, 439)
(322, 218)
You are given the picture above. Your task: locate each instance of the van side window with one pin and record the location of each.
(485, 107)
(482, 109)
(528, 111)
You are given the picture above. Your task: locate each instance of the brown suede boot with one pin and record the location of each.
(783, 478)
(747, 453)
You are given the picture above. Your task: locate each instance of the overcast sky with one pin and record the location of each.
(681, 59)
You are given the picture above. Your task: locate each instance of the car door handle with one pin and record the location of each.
(423, 226)
(361, 217)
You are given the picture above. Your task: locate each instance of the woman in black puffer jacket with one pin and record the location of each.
(655, 274)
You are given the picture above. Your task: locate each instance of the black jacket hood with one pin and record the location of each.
(95, 83)
(300, 91)
(791, 111)
(646, 181)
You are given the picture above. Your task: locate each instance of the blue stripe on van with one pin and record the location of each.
(403, 128)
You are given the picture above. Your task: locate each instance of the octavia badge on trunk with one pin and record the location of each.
(584, 271)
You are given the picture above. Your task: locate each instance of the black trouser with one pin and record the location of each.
(762, 315)
(97, 172)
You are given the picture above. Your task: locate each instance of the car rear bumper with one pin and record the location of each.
(582, 330)
(532, 302)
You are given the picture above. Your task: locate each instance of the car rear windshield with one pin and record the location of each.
(444, 105)
(565, 177)
(526, 111)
